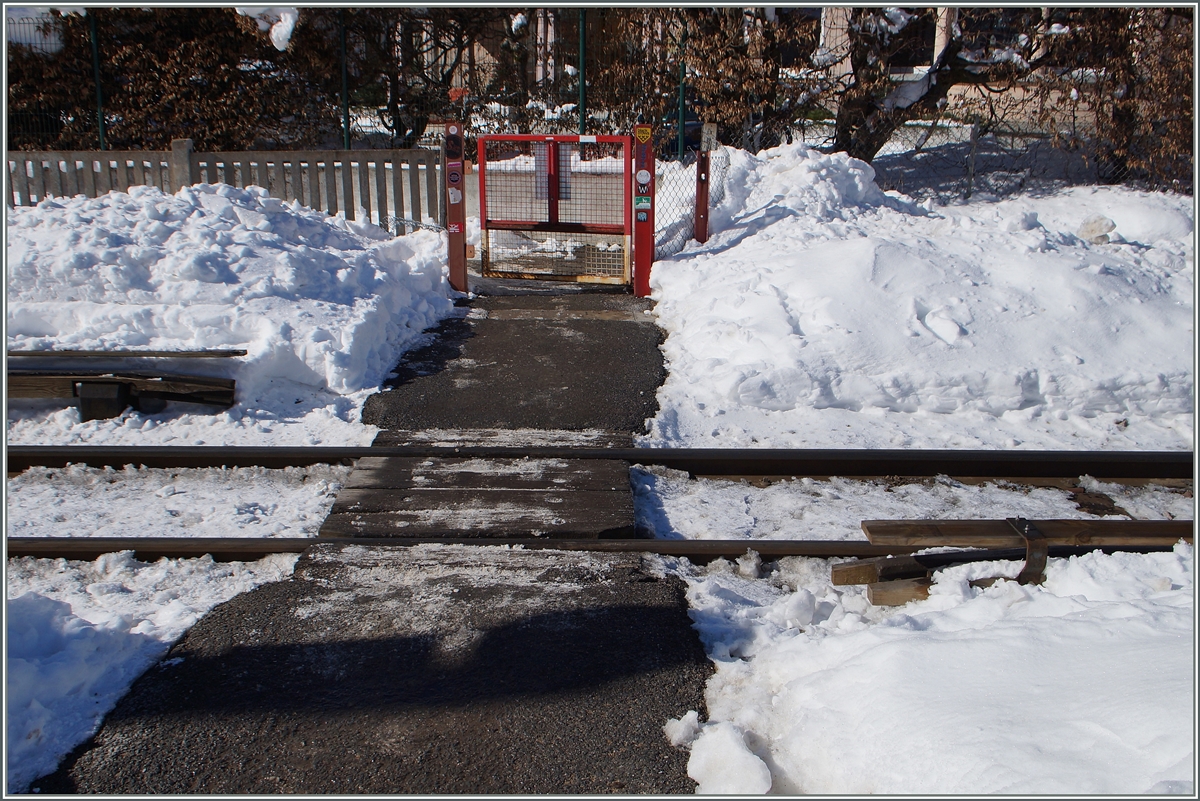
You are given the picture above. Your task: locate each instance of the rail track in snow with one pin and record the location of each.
(1042, 468)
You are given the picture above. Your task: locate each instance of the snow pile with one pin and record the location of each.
(824, 313)
(323, 305)
(153, 502)
(80, 633)
(1081, 685)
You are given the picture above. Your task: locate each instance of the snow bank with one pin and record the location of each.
(80, 633)
(824, 313)
(1082, 685)
(324, 306)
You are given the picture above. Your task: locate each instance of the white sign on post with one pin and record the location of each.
(708, 137)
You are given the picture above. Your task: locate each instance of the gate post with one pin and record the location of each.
(456, 215)
(708, 142)
(643, 209)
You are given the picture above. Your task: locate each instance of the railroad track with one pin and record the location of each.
(696, 461)
(1017, 466)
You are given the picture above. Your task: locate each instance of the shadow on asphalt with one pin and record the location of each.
(449, 338)
(544, 655)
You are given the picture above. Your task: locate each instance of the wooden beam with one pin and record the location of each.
(899, 592)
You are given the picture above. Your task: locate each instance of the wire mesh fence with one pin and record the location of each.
(555, 209)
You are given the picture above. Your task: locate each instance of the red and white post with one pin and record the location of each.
(643, 209)
(456, 205)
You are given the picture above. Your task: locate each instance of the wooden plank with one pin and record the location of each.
(482, 513)
(103, 176)
(70, 179)
(54, 176)
(89, 174)
(485, 504)
(505, 437)
(313, 198)
(374, 473)
(381, 203)
(871, 571)
(37, 182)
(397, 188)
(195, 389)
(123, 178)
(331, 184)
(414, 186)
(431, 185)
(279, 183)
(386, 525)
(899, 592)
(364, 186)
(297, 188)
(999, 534)
(348, 204)
(40, 386)
(20, 178)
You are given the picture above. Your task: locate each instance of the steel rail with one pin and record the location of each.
(697, 461)
(228, 549)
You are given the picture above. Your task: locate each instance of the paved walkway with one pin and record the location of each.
(432, 669)
(442, 668)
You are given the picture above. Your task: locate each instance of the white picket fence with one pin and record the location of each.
(396, 189)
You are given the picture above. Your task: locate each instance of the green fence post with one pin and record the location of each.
(682, 79)
(582, 80)
(91, 15)
(345, 84)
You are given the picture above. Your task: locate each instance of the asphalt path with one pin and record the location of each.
(542, 357)
(433, 669)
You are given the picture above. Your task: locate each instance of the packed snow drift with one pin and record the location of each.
(323, 306)
(1083, 685)
(825, 313)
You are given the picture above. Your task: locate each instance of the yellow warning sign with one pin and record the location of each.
(642, 132)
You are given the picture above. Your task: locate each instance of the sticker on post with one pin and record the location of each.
(642, 134)
(642, 202)
(455, 195)
(643, 217)
(643, 177)
(454, 228)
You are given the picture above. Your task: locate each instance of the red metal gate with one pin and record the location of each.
(556, 207)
